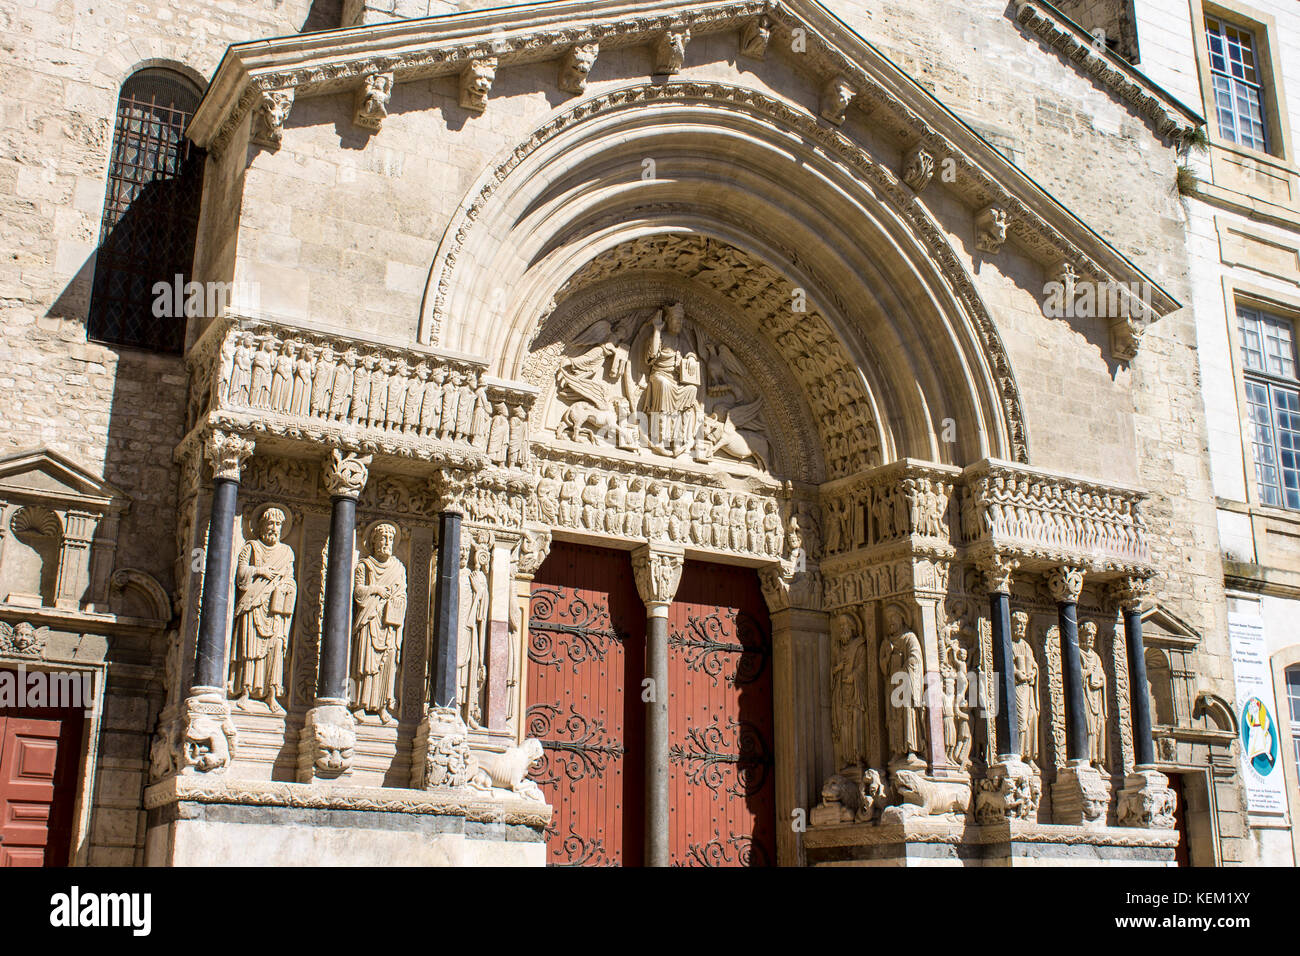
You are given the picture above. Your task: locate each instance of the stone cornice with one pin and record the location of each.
(335, 61)
(1168, 115)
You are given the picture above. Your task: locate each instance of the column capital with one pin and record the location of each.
(227, 452)
(997, 570)
(1129, 592)
(658, 571)
(449, 487)
(534, 546)
(1065, 583)
(346, 474)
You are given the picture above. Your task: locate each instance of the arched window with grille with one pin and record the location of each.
(151, 212)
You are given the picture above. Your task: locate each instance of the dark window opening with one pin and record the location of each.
(151, 213)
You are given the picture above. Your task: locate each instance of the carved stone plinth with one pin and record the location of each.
(938, 841)
(329, 738)
(1147, 800)
(1080, 796)
(1010, 790)
(442, 756)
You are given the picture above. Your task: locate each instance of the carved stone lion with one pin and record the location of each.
(509, 770)
(209, 742)
(841, 801)
(922, 797)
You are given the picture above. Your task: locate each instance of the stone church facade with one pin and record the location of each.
(611, 432)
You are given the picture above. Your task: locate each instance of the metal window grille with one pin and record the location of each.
(151, 212)
(1238, 95)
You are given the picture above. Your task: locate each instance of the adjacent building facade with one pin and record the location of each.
(648, 433)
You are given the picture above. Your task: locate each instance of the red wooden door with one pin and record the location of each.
(586, 659)
(39, 754)
(721, 772)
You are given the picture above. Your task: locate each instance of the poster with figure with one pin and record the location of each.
(1261, 744)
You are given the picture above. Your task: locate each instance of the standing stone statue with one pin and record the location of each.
(265, 594)
(903, 666)
(1094, 694)
(1026, 679)
(848, 689)
(378, 617)
(471, 650)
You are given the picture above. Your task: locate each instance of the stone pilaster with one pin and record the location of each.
(658, 571)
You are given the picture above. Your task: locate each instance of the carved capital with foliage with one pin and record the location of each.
(227, 452)
(346, 474)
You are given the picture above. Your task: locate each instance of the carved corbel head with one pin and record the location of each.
(837, 94)
(918, 167)
(476, 83)
(755, 36)
(269, 116)
(990, 229)
(670, 51)
(577, 65)
(372, 100)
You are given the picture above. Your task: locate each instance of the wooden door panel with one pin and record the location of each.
(38, 773)
(722, 805)
(586, 658)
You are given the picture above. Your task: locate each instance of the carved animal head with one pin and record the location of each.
(476, 82)
(334, 746)
(532, 748)
(908, 785)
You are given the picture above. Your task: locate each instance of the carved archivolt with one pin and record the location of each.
(829, 143)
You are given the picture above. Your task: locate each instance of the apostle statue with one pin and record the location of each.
(1025, 669)
(471, 649)
(848, 689)
(1094, 694)
(903, 666)
(265, 594)
(378, 617)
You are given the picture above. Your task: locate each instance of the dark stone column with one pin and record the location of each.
(997, 578)
(446, 612)
(1066, 584)
(227, 454)
(332, 679)
(658, 571)
(1131, 593)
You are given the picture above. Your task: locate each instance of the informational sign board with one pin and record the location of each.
(1261, 740)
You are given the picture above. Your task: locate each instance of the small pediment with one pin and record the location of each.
(1162, 628)
(49, 477)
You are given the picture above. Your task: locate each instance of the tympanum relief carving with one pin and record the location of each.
(661, 386)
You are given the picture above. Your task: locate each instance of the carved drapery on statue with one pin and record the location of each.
(379, 616)
(1094, 694)
(265, 595)
(902, 664)
(471, 648)
(1026, 683)
(660, 385)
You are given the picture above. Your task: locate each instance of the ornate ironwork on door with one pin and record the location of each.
(586, 647)
(720, 720)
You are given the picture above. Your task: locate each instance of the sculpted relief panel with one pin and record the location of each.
(659, 385)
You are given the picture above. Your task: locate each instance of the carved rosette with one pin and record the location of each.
(1065, 583)
(1147, 801)
(658, 571)
(227, 453)
(208, 735)
(345, 474)
(997, 570)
